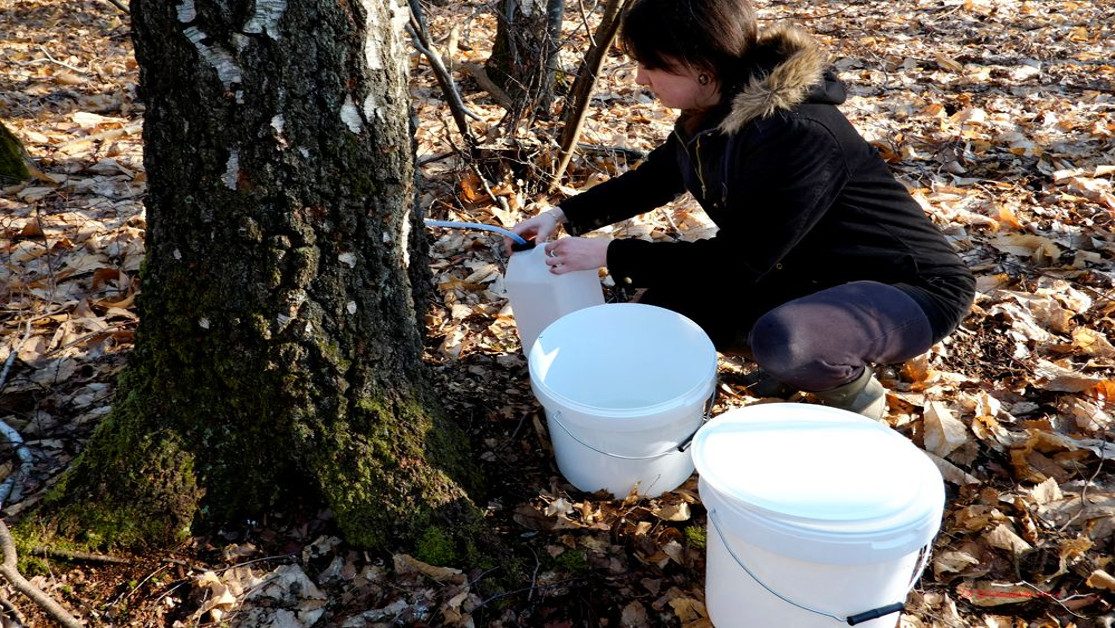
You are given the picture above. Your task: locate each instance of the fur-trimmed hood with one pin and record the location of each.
(790, 70)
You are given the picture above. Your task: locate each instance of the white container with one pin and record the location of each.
(539, 297)
(625, 386)
(812, 507)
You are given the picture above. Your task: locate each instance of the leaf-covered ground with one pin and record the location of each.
(999, 115)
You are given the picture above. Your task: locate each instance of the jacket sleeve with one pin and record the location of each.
(653, 183)
(787, 172)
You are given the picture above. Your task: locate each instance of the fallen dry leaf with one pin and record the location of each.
(1059, 378)
(1100, 579)
(406, 564)
(1091, 342)
(1003, 537)
(953, 562)
(672, 512)
(943, 431)
(1046, 492)
(688, 609)
(996, 594)
(634, 616)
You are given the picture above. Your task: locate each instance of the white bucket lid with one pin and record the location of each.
(817, 482)
(622, 361)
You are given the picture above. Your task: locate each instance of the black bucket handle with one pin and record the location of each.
(852, 620)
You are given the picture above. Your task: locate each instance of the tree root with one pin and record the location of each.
(9, 570)
(53, 552)
(10, 615)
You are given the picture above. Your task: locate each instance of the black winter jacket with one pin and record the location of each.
(802, 202)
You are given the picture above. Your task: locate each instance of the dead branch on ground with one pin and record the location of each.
(9, 570)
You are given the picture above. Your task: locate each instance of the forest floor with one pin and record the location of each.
(999, 116)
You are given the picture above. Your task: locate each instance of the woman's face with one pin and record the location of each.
(679, 87)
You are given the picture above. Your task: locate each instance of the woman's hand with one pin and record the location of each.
(538, 227)
(570, 254)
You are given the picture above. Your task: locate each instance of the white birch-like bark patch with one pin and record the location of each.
(404, 237)
(400, 16)
(350, 115)
(531, 7)
(187, 12)
(217, 58)
(232, 170)
(266, 18)
(372, 55)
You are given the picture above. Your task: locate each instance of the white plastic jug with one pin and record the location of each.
(539, 297)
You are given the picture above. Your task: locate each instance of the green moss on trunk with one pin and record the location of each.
(399, 472)
(133, 485)
(277, 355)
(13, 161)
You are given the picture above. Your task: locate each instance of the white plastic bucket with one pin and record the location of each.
(817, 516)
(624, 386)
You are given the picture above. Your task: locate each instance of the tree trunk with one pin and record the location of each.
(555, 14)
(278, 354)
(526, 41)
(13, 158)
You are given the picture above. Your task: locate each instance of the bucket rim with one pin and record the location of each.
(819, 545)
(693, 394)
(837, 530)
(639, 414)
(780, 498)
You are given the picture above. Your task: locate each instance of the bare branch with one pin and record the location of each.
(9, 570)
(61, 63)
(53, 552)
(420, 38)
(118, 5)
(574, 116)
(478, 72)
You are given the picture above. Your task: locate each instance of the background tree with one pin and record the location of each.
(278, 351)
(524, 54)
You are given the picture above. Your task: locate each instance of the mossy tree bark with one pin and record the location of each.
(13, 164)
(278, 353)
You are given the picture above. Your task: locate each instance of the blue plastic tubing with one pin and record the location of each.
(450, 224)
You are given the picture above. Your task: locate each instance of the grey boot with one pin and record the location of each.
(760, 384)
(864, 395)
